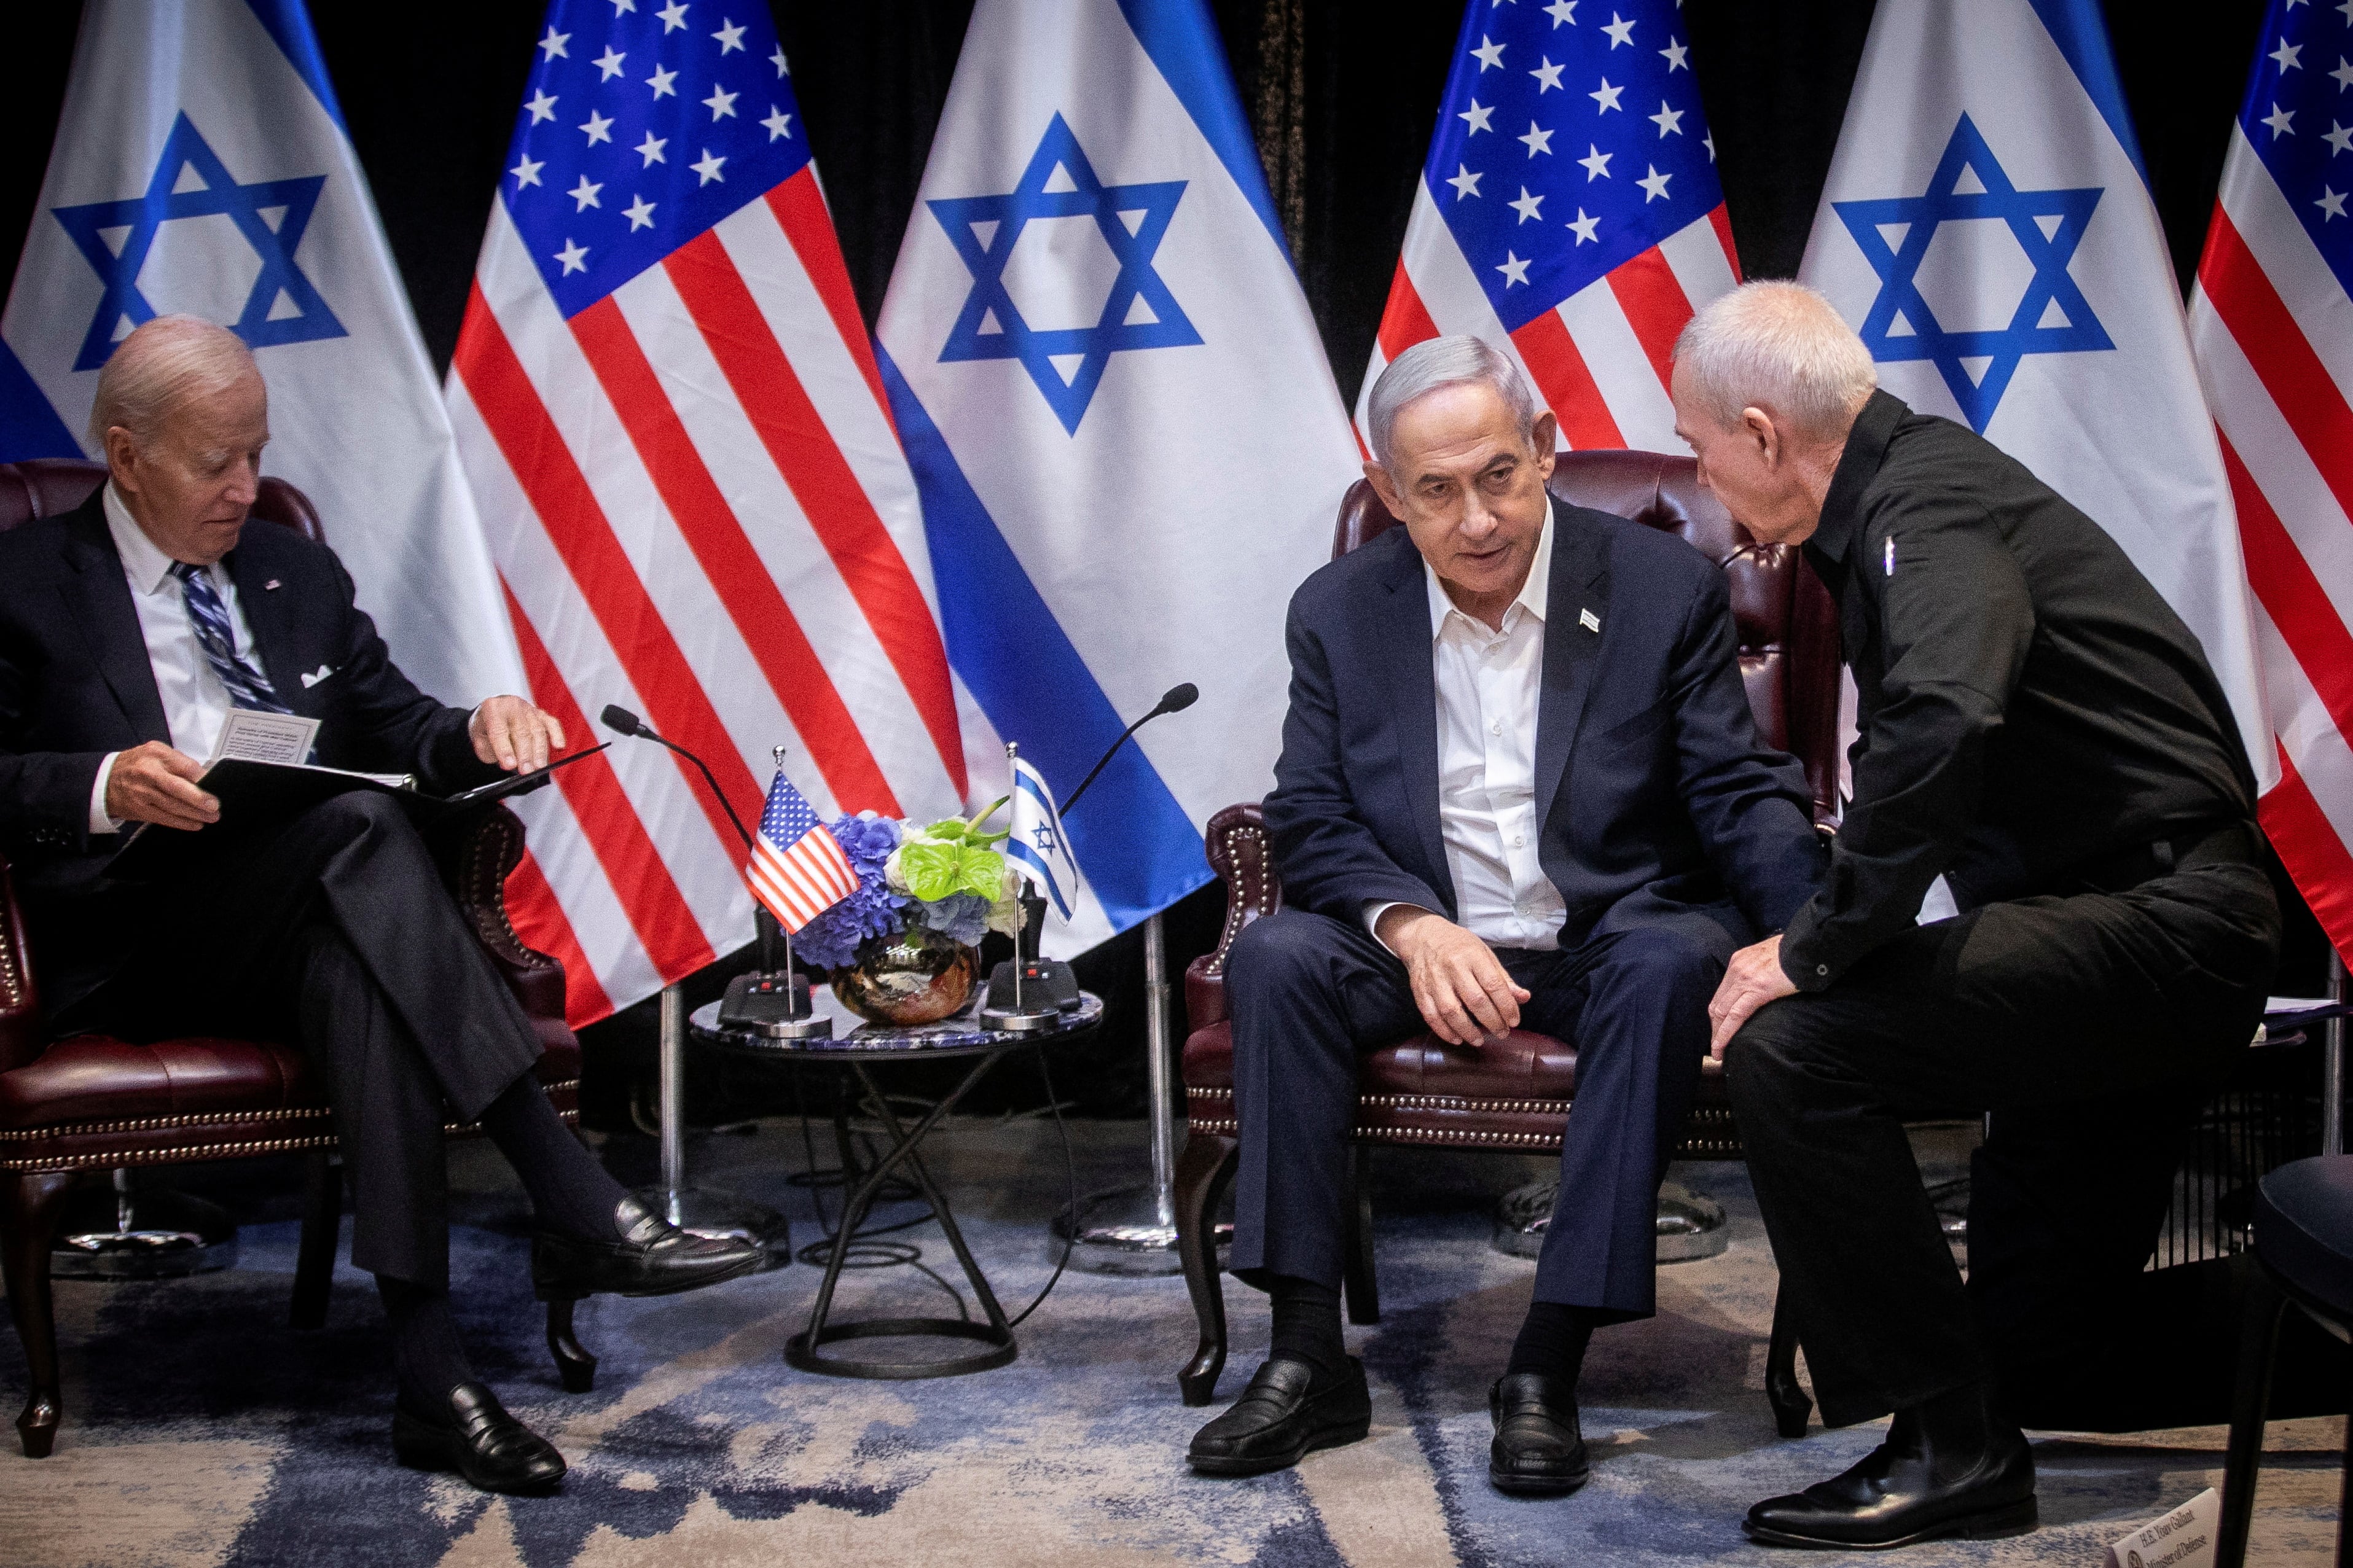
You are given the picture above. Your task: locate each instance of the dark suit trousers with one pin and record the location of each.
(1311, 993)
(2088, 1029)
(336, 932)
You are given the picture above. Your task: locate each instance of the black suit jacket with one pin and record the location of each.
(75, 684)
(1655, 797)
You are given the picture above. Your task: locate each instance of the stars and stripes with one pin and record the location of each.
(1582, 243)
(797, 871)
(2272, 324)
(674, 422)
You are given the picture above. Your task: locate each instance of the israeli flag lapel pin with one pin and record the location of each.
(1588, 620)
(1887, 558)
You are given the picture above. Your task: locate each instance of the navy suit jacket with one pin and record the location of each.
(1658, 803)
(75, 684)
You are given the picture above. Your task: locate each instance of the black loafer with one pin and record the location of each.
(1538, 1449)
(1906, 1490)
(1281, 1418)
(472, 1435)
(651, 1258)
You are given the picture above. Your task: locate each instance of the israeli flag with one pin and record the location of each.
(1128, 440)
(202, 167)
(1036, 847)
(1988, 228)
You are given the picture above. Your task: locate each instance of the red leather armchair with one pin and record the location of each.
(91, 1103)
(1512, 1096)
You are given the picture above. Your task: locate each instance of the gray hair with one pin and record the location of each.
(1778, 346)
(1459, 361)
(162, 362)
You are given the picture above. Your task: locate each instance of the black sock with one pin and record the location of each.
(426, 1358)
(572, 1193)
(1307, 1325)
(1553, 1340)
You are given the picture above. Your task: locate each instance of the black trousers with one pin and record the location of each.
(1309, 993)
(2088, 1029)
(335, 932)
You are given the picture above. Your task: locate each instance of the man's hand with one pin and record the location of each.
(514, 734)
(153, 782)
(1458, 983)
(1754, 978)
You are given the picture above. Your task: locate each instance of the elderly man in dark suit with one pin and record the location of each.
(130, 629)
(1520, 784)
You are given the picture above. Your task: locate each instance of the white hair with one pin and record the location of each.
(1781, 347)
(163, 363)
(1435, 362)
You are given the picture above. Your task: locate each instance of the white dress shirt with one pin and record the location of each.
(1488, 684)
(196, 704)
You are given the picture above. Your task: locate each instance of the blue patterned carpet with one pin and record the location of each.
(200, 1430)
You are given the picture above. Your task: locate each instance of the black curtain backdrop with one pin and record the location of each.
(1343, 94)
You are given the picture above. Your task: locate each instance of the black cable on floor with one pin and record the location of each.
(1071, 1184)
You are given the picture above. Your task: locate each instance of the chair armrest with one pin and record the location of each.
(484, 852)
(1240, 854)
(20, 999)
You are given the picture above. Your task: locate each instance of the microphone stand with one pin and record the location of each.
(704, 1211)
(1132, 1230)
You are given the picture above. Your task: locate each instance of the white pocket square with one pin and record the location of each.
(311, 681)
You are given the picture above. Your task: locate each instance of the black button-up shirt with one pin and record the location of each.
(2029, 703)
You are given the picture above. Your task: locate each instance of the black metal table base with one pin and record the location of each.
(800, 1351)
(804, 1350)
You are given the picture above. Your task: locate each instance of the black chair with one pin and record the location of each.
(2302, 1258)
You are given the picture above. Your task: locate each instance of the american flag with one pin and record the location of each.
(797, 868)
(2271, 326)
(671, 413)
(1569, 211)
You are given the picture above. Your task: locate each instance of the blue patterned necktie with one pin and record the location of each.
(247, 687)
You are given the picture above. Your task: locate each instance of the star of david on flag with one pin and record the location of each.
(282, 307)
(2010, 273)
(1067, 364)
(1568, 213)
(2053, 317)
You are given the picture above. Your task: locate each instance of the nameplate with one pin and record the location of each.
(2182, 1539)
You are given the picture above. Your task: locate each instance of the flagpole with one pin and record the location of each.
(705, 1211)
(1133, 1230)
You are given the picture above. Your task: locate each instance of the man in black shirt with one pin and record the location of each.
(2039, 728)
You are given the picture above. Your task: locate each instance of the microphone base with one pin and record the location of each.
(1020, 1020)
(773, 1003)
(1046, 982)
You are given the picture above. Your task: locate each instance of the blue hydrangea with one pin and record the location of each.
(832, 939)
(960, 917)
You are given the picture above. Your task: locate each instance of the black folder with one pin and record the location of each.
(252, 793)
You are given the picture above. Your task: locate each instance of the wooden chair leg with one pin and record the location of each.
(2261, 1304)
(29, 1222)
(1203, 1170)
(323, 1223)
(1782, 1390)
(1357, 1277)
(574, 1365)
(2345, 1500)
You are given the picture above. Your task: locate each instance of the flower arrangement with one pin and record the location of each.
(947, 877)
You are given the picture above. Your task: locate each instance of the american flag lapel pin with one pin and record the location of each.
(1588, 620)
(269, 586)
(1887, 558)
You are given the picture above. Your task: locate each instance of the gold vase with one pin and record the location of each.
(920, 978)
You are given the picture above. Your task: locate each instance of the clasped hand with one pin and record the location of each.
(1463, 992)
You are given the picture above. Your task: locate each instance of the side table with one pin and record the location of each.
(856, 1054)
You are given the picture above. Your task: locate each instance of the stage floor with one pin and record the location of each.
(199, 1430)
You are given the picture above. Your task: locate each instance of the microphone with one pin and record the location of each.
(766, 1000)
(1176, 699)
(621, 720)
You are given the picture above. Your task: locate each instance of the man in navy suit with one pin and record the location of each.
(130, 629)
(1520, 784)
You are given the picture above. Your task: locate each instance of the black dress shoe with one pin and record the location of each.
(472, 1434)
(1281, 1418)
(1538, 1450)
(650, 1256)
(1948, 1468)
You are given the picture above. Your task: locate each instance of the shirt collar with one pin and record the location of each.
(147, 565)
(1866, 449)
(1532, 597)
